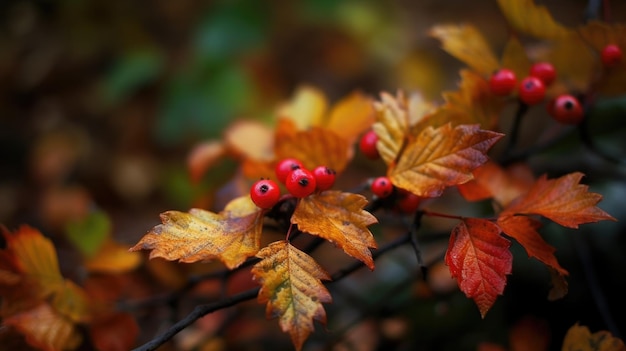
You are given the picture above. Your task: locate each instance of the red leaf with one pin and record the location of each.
(524, 230)
(479, 258)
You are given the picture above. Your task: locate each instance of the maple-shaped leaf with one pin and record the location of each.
(579, 338)
(466, 43)
(441, 157)
(472, 103)
(531, 19)
(563, 200)
(392, 125)
(524, 231)
(292, 288)
(230, 236)
(314, 147)
(479, 258)
(339, 218)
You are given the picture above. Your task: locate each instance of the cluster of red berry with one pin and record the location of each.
(564, 108)
(298, 180)
(382, 187)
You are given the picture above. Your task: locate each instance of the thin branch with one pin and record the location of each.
(515, 129)
(202, 310)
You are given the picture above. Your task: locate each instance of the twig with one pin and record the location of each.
(202, 310)
(515, 129)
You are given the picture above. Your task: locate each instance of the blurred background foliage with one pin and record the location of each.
(101, 101)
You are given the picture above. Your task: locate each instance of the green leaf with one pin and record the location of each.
(89, 233)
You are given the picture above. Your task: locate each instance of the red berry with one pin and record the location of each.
(367, 145)
(300, 182)
(265, 193)
(408, 202)
(611, 55)
(382, 187)
(324, 177)
(285, 166)
(544, 71)
(502, 82)
(531, 90)
(566, 109)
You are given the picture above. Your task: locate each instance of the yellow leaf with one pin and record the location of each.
(573, 60)
(46, 329)
(441, 157)
(314, 147)
(579, 338)
(467, 44)
(392, 125)
(250, 139)
(306, 108)
(472, 103)
(292, 288)
(528, 18)
(112, 258)
(351, 116)
(338, 217)
(230, 236)
(514, 57)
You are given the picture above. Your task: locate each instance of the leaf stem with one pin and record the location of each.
(442, 215)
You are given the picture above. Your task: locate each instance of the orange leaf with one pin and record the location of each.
(579, 338)
(202, 157)
(112, 258)
(46, 329)
(528, 18)
(492, 181)
(514, 57)
(351, 116)
(250, 139)
(524, 230)
(314, 147)
(292, 288)
(441, 157)
(338, 217)
(467, 44)
(230, 236)
(479, 258)
(392, 125)
(472, 103)
(562, 200)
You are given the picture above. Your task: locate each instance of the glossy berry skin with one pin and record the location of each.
(324, 177)
(611, 55)
(502, 82)
(300, 182)
(367, 145)
(531, 90)
(566, 109)
(286, 166)
(408, 202)
(544, 71)
(265, 193)
(382, 187)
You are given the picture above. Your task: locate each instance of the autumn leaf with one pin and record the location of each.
(45, 328)
(314, 147)
(563, 200)
(250, 139)
(579, 338)
(114, 332)
(292, 288)
(442, 157)
(524, 231)
(514, 57)
(502, 184)
(338, 217)
(350, 116)
(112, 257)
(36, 299)
(472, 103)
(531, 19)
(468, 45)
(306, 108)
(479, 258)
(230, 236)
